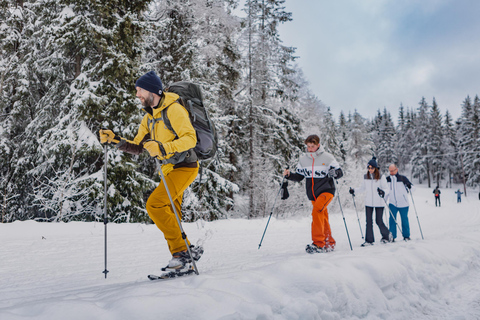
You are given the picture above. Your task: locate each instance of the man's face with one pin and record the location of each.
(312, 147)
(393, 170)
(146, 97)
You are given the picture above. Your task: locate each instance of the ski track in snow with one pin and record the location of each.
(54, 271)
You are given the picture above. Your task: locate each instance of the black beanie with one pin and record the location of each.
(373, 163)
(150, 82)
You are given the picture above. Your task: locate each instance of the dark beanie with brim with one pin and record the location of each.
(373, 163)
(150, 82)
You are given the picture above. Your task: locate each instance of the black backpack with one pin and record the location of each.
(191, 99)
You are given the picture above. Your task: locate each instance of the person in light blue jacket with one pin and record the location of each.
(399, 187)
(375, 187)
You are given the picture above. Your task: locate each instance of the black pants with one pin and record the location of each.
(378, 220)
(437, 199)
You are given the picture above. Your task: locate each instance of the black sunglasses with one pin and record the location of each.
(370, 167)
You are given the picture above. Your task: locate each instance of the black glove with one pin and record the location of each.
(381, 193)
(409, 185)
(352, 192)
(331, 172)
(284, 191)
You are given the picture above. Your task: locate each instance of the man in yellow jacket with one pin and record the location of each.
(180, 163)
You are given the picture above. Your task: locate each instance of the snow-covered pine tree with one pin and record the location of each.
(22, 87)
(194, 41)
(99, 44)
(359, 150)
(436, 143)
(450, 148)
(405, 139)
(384, 138)
(329, 133)
(267, 69)
(343, 129)
(474, 173)
(468, 134)
(421, 169)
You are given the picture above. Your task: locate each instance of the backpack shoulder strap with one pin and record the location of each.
(166, 121)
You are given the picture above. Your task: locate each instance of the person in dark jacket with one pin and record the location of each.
(437, 193)
(319, 168)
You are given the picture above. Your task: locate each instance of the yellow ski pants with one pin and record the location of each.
(160, 209)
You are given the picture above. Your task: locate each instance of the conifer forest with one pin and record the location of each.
(68, 68)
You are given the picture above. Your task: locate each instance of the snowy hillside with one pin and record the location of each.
(54, 271)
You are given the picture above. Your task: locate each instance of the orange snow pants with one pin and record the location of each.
(160, 209)
(321, 233)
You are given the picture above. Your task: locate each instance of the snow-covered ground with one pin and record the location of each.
(54, 271)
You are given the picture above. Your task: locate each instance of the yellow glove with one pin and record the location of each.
(155, 149)
(108, 136)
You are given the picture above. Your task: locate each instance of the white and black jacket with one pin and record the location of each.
(399, 187)
(370, 186)
(314, 166)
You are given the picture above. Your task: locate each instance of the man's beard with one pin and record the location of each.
(148, 101)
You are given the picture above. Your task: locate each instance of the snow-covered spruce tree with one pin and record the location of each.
(450, 148)
(267, 82)
(436, 146)
(474, 167)
(359, 148)
(468, 134)
(21, 88)
(193, 41)
(343, 133)
(99, 42)
(384, 139)
(421, 165)
(405, 140)
(11, 122)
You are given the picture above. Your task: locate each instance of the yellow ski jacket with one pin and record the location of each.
(152, 127)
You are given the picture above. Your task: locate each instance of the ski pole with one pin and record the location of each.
(105, 215)
(391, 214)
(361, 232)
(271, 212)
(413, 202)
(340, 204)
(184, 236)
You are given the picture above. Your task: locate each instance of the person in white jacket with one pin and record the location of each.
(375, 187)
(399, 187)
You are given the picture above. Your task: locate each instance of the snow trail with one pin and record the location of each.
(54, 271)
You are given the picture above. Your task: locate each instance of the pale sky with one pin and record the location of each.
(371, 54)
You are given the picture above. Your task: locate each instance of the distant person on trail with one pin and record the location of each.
(437, 193)
(318, 168)
(399, 187)
(375, 187)
(154, 137)
(459, 195)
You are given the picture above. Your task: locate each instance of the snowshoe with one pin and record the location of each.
(313, 248)
(197, 252)
(406, 238)
(329, 248)
(185, 271)
(366, 244)
(181, 259)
